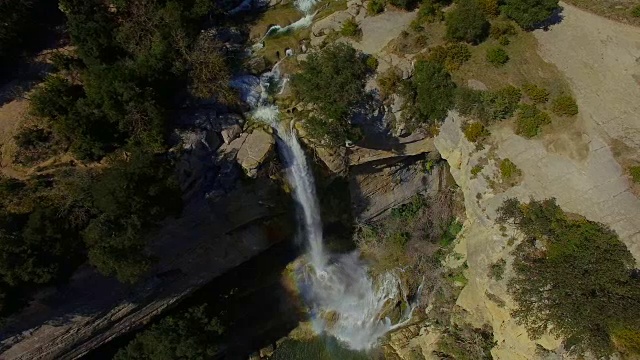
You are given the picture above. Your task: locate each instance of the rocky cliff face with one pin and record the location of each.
(591, 185)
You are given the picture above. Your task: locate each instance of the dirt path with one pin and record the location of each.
(601, 60)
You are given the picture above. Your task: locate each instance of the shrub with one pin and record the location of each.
(502, 28)
(192, 334)
(564, 105)
(509, 170)
(375, 7)
(496, 270)
(529, 13)
(467, 22)
(573, 277)
(452, 56)
(465, 342)
(404, 4)
(389, 81)
(530, 120)
(475, 131)
(634, 171)
(429, 93)
(372, 63)
(35, 144)
(489, 7)
(410, 210)
(504, 41)
(488, 106)
(497, 56)
(536, 94)
(350, 28)
(635, 12)
(476, 170)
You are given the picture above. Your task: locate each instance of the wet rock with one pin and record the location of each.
(249, 89)
(257, 65)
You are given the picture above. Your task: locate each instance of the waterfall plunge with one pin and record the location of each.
(345, 301)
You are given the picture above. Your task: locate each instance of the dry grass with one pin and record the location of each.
(619, 10)
(524, 66)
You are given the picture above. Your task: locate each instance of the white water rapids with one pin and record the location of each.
(345, 301)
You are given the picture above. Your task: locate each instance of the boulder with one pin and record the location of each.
(255, 150)
(331, 23)
(230, 133)
(360, 155)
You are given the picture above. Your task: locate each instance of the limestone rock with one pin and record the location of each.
(335, 160)
(255, 150)
(360, 155)
(231, 133)
(330, 23)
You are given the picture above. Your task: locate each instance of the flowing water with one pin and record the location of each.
(344, 299)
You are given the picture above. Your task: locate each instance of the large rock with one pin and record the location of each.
(402, 149)
(255, 150)
(378, 187)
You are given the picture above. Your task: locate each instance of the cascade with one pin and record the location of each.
(344, 299)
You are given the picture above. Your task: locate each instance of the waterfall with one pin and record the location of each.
(344, 299)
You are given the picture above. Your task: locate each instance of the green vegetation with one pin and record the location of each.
(635, 12)
(333, 81)
(429, 93)
(530, 120)
(564, 105)
(497, 56)
(573, 277)
(131, 65)
(404, 4)
(317, 348)
(25, 28)
(350, 28)
(634, 171)
(529, 13)
(476, 170)
(372, 63)
(452, 56)
(509, 170)
(467, 22)
(130, 196)
(464, 342)
(475, 131)
(488, 106)
(500, 29)
(496, 270)
(536, 94)
(389, 82)
(375, 7)
(410, 210)
(190, 335)
(489, 7)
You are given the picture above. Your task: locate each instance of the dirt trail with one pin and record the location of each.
(601, 60)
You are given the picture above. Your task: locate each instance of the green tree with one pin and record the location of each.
(429, 93)
(573, 277)
(497, 56)
(191, 335)
(530, 120)
(334, 88)
(467, 22)
(529, 13)
(131, 196)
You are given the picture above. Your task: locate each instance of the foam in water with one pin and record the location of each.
(305, 5)
(345, 301)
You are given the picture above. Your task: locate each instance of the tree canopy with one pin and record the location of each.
(430, 92)
(190, 335)
(529, 13)
(467, 22)
(333, 80)
(573, 277)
